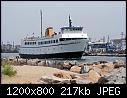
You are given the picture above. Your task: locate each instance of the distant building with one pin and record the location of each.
(17, 47)
(100, 47)
(120, 44)
(9, 48)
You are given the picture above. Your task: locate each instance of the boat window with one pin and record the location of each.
(25, 43)
(53, 41)
(62, 39)
(57, 41)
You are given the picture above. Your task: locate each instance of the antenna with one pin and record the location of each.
(13, 44)
(108, 38)
(70, 22)
(122, 35)
(41, 22)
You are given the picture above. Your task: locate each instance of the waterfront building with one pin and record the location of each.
(9, 48)
(120, 44)
(100, 47)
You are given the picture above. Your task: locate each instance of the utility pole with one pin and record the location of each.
(103, 38)
(13, 44)
(70, 22)
(108, 38)
(121, 35)
(41, 22)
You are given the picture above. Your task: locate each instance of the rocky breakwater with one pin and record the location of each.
(101, 72)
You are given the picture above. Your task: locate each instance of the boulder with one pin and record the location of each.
(42, 63)
(107, 67)
(97, 69)
(51, 79)
(33, 62)
(10, 59)
(50, 63)
(63, 75)
(59, 65)
(76, 81)
(76, 69)
(84, 69)
(102, 62)
(67, 67)
(72, 63)
(99, 65)
(96, 63)
(116, 76)
(119, 63)
(94, 76)
(21, 61)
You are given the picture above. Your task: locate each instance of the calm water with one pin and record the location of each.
(86, 58)
(9, 54)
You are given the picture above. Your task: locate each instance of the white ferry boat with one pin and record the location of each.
(70, 42)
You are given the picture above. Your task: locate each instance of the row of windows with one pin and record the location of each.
(74, 29)
(63, 39)
(30, 43)
(40, 43)
(48, 42)
(51, 41)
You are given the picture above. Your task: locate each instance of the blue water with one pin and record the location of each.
(84, 58)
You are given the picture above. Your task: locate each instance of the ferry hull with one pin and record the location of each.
(56, 55)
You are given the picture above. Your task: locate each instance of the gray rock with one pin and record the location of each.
(102, 62)
(73, 62)
(81, 81)
(59, 65)
(116, 76)
(33, 62)
(50, 79)
(119, 63)
(84, 69)
(96, 63)
(42, 63)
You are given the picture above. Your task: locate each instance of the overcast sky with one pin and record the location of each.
(22, 18)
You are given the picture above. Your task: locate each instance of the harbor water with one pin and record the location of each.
(84, 58)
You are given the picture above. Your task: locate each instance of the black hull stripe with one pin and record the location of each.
(57, 55)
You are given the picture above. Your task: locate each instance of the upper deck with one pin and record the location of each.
(72, 29)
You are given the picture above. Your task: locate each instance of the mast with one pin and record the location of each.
(41, 22)
(70, 22)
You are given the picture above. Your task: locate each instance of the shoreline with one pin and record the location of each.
(36, 71)
(111, 55)
(115, 55)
